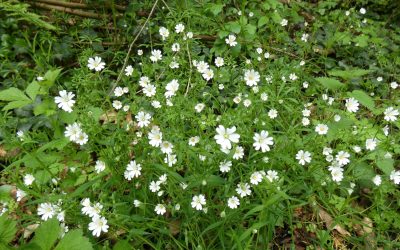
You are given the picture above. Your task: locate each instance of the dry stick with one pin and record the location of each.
(79, 5)
(131, 46)
(69, 10)
(190, 64)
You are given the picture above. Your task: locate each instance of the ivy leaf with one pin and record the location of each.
(47, 234)
(330, 83)
(74, 240)
(363, 98)
(7, 230)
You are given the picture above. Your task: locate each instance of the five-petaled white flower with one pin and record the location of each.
(233, 202)
(262, 141)
(198, 202)
(143, 119)
(231, 40)
(98, 225)
(225, 136)
(160, 209)
(251, 77)
(65, 101)
(352, 105)
(303, 157)
(156, 55)
(391, 114)
(96, 63)
(321, 129)
(46, 211)
(132, 170)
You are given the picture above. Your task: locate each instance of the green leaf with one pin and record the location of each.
(7, 229)
(363, 98)
(330, 83)
(262, 21)
(33, 90)
(74, 240)
(17, 104)
(233, 27)
(47, 107)
(5, 192)
(349, 74)
(386, 165)
(47, 234)
(216, 8)
(50, 77)
(251, 29)
(13, 94)
(122, 245)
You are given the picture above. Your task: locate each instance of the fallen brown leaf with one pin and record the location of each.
(328, 220)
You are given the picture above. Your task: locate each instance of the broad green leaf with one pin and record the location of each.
(386, 165)
(363, 98)
(33, 90)
(67, 117)
(262, 21)
(7, 229)
(251, 29)
(17, 104)
(122, 245)
(50, 77)
(233, 27)
(216, 8)
(74, 240)
(47, 234)
(47, 107)
(330, 83)
(13, 94)
(5, 192)
(349, 74)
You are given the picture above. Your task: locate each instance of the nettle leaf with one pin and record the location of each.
(7, 230)
(349, 74)
(330, 83)
(363, 98)
(74, 240)
(262, 21)
(47, 234)
(13, 94)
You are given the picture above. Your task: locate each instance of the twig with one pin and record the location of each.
(131, 46)
(190, 71)
(69, 10)
(79, 5)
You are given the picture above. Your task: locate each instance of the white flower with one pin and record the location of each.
(337, 174)
(262, 141)
(238, 153)
(202, 66)
(337, 118)
(305, 121)
(394, 85)
(303, 157)
(143, 81)
(166, 147)
(219, 62)
(156, 55)
(20, 135)
(149, 90)
(155, 137)
(28, 179)
(189, 35)
(143, 119)
(231, 40)
(363, 11)
(306, 112)
(117, 104)
(170, 159)
(160, 209)
(100, 166)
(327, 151)
(225, 136)
(304, 37)
(96, 64)
(154, 186)
(395, 176)
(132, 170)
(194, 140)
(98, 225)
(391, 114)
(20, 194)
(82, 138)
(233, 202)
(137, 203)
(352, 105)
(243, 189)
(65, 101)
(46, 211)
(179, 28)
(272, 175)
(251, 77)
(247, 103)
(256, 178)
(342, 158)
(175, 47)
(293, 77)
(264, 97)
(156, 104)
(128, 70)
(208, 74)
(171, 88)
(198, 202)
(370, 144)
(321, 129)
(163, 32)
(225, 166)
(273, 113)
(377, 180)
(174, 65)
(237, 99)
(284, 22)
(119, 91)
